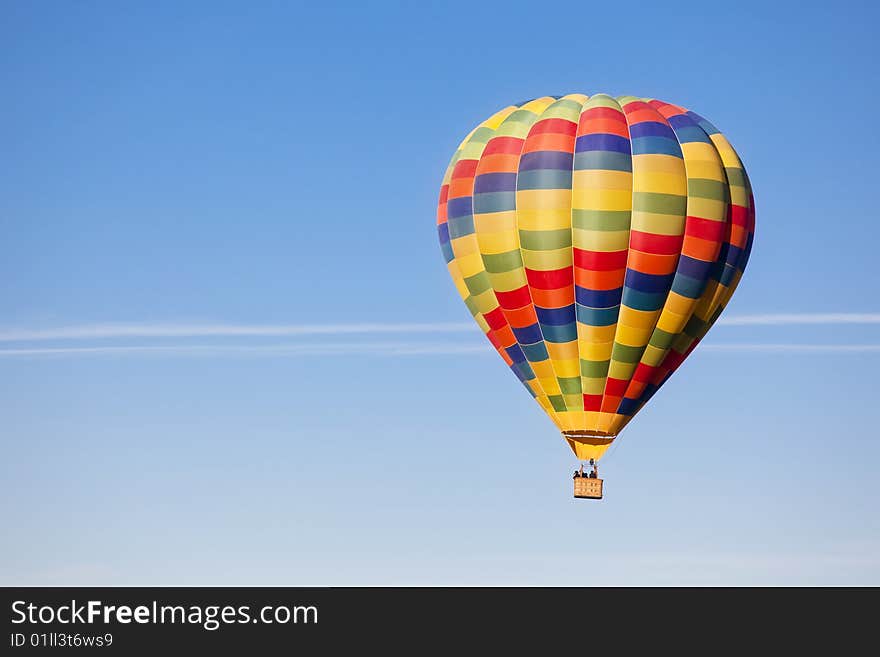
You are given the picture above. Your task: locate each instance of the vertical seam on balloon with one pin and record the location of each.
(674, 268)
(596, 425)
(477, 314)
(577, 331)
(628, 250)
(516, 234)
(696, 301)
(724, 296)
(540, 329)
(519, 245)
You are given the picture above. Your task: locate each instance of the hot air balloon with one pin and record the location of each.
(595, 240)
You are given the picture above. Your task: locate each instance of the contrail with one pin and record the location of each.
(194, 330)
(341, 349)
(108, 331)
(800, 318)
(793, 348)
(384, 349)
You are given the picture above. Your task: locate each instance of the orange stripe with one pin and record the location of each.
(499, 163)
(557, 298)
(459, 187)
(697, 247)
(607, 126)
(549, 142)
(599, 280)
(640, 114)
(521, 317)
(652, 263)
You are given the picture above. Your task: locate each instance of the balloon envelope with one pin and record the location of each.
(595, 240)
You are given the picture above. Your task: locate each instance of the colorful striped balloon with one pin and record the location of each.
(595, 240)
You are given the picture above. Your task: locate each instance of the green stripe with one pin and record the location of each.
(735, 176)
(478, 283)
(626, 354)
(694, 326)
(557, 402)
(662, 339)
(706, 188)
(595, 369)
(658, 203)
(570, 385)
(481, 135)
(498, 263)
(545, 240)
(601, 219)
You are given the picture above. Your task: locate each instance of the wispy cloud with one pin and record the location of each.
(159, 330)
(800, 318)
(380, 349)
(792, 348)
(107, 331)
(331, 349)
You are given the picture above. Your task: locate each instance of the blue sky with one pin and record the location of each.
(198, 201)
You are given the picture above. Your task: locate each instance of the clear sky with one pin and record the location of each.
(188, 189)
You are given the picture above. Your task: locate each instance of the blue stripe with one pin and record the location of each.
(733, 254)
(681, 121)
(727, 275)
(537, 352)
(602, 142)
(448, 255)
(545, 160)
(488, 202)
(555, 316)
(643, 300)
(650, 129)
(597, 298)
(461, 226)
(598, 316)
(603, 160)
(495, 182)
(516, 354)
(704, 124)
(650, 283)
(692, 288)
(544, 179)
(560, 334)
(458, 207)
(655, 146)
(691, 135)
(528, 334)
(628, 406)
(443, 233)
(692, 267)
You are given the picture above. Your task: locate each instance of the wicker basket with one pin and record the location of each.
(585, 487)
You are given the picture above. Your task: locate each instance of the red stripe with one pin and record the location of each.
(603, 113)
(465, 169)
(509, 145)
(493, 338)
(599, 260)
(643, 373)
(704, 229)
(615, 387)
(659, 244)
(515, 298)
(592, 402)
(495, 319)
(444, 193)
(558, 126)
(739, 216)
(551, 280)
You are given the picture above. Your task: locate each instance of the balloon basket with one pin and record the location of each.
(587, 488)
